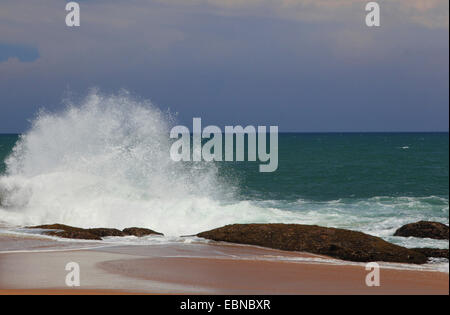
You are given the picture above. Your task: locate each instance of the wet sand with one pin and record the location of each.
(226, 276)
(201, 269)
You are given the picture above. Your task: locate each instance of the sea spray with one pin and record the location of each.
(106, 162)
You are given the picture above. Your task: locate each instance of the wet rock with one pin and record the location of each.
(65, 231)
(103, 232)
(139, 232)
(432, 252)
(424, 229)
(337, 243)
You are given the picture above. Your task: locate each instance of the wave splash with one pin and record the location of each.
(106, 162)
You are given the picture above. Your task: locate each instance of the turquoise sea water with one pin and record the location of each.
(324, 167)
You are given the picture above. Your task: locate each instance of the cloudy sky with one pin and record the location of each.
(304, 65)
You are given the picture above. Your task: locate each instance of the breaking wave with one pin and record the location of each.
(106, 162)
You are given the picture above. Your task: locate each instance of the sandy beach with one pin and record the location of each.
(201, 268)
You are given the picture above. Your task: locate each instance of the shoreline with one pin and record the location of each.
(202, 268)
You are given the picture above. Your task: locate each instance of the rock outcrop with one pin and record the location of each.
(65, 231)
(432, 252)
(424, 229)
(337, 243)
(139, 232)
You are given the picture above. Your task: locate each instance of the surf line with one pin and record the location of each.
(212, 149)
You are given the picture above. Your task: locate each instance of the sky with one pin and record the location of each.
(302, 65)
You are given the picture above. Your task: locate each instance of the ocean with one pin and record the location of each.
(106, 163)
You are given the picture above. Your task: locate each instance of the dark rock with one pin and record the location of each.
(103, 232)
(65, 231)
(337, 243)
(424, 229)
(432, 252)
(139, 232)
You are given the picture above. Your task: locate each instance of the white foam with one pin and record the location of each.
(106, 163)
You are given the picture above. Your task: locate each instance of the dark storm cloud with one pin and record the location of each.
(301, 64)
